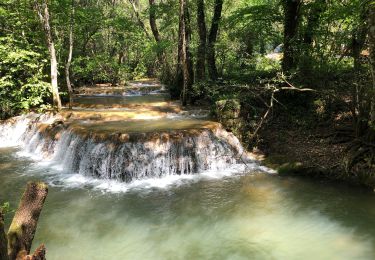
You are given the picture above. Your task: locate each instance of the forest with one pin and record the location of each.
(307, 62)
(127, 95)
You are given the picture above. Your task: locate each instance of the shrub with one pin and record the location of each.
(22, 82)
(98, 69)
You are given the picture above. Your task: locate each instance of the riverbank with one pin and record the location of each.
(311, 136)
(322, 151)
(294, 151)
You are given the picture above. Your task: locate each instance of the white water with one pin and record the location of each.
(119, 167)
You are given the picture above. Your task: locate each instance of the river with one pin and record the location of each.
(231, 212)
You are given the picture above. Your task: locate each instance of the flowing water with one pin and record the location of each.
(194, 198)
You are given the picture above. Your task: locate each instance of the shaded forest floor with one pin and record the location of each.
(293, 149)
(300, 133)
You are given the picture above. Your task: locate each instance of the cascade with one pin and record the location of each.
(128, 142)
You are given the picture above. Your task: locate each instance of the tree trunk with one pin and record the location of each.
(69, 61)
(212, 37)
(249, 46)
(3, 239)
(179, 81)
(135, 6)
(155, 31)
(154, 27)
(43, 13)
(359, 37)
(262, 47)
(317, 8)
(202, 31)
(185, 55)
(291, 20)
(372, 57)
(22, 230)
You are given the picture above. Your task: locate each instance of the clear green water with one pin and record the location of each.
(248, 216)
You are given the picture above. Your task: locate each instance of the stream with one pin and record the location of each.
(133, 176)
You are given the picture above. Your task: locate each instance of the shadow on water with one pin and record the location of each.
(347, 205)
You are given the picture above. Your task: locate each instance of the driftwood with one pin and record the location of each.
(22, 230)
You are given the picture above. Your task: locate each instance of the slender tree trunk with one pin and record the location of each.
(200, 70)
(69, 61)
(185, 55)
(212, 37)
(262, 47)
(291, 20)
(22, 230)
(135, 6)
(179, 82)
(250, 46)
(155, 31)
(359, 36)
(154, 27)
(43, 13)
(317, 8)
(372, 56)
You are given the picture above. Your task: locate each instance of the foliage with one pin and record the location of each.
(98, 69)
(22, 77)
(5, 208)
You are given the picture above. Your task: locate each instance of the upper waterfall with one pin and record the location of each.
(126, 135)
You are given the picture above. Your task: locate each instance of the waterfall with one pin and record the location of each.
(123, 157)
(13, 129)
(102, 139)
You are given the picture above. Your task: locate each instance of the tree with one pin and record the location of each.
(43, 13)
(359, 34)
(185, 61)
(154, 27)
(212, 37)
(69, 61)
(135, 6)
(291, 21)
(200, 71)
(155, 32)
(316, 9)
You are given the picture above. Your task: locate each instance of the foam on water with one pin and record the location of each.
(118, 167)
(59, 178)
